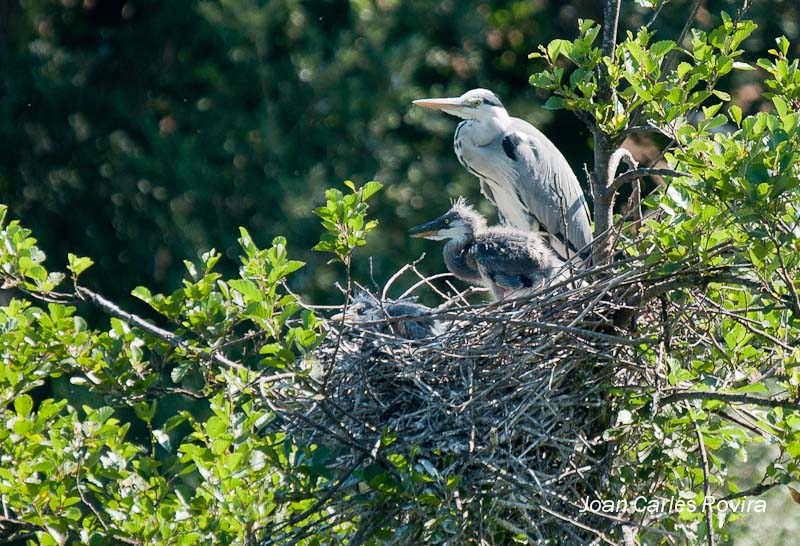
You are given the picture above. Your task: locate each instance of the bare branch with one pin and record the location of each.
(656, 13)
(631, 175)
(610, 23)
(672, 56)
(706, 484)
(752, 492)
(732, 398)
(164, 335)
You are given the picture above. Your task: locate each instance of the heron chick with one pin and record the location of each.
(520, 170)
(505, 260)
(404, 318)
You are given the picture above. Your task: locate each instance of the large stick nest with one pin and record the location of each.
(491, 433)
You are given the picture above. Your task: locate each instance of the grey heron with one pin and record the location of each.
(505, 260)
(520, 170)
(413, 320)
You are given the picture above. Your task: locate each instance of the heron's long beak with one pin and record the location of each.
(428, 230)
(452, 103)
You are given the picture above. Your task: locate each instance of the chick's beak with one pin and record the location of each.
(427, 230)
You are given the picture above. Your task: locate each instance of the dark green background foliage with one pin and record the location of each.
(142, 133)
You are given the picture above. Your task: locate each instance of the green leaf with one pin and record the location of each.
(145, 411)
(143, 293)
(369, 189)
(248, 289)
(721, 94)
(23, 404)
(78, 265)
(554, 103)
(736, 114)
(557, 48)
(36, 272)
(683, 69)
(661, 48)
(783, 45)
(215, 426)
(781, 107)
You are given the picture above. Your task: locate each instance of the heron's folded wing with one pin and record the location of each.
(547, 185)
(507, 262)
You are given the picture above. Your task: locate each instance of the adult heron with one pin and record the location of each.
(505, 260)
(405, 318)
(520, 170)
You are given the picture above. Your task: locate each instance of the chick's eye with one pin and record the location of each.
(447, 221)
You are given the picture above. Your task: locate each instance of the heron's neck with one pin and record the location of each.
(481, 132)
(457, 260)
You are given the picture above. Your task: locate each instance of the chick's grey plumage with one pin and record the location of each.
(503, 259)
(520, 170)
(414, 319)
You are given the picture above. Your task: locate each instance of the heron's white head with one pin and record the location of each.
(460, 223)
(477, 104)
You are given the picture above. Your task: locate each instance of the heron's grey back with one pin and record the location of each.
(530, 181)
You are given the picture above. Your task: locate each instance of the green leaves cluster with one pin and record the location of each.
(344, 218)
(200, 462)
(732, 222)
(215, 310)
(21, 260)
(655, 81)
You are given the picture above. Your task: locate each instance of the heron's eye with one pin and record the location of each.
(475, 103)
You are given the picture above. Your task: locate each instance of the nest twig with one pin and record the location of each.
(493, 431)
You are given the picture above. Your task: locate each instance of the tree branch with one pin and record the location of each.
(620, 155)
(706, 484)
(164, 335)
(730, 397)
(752, 492)
(604, 144)
(631, 175)
(611, 21)
(643, 129)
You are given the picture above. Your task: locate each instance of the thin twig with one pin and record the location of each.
(706, 483)
(752, 492)
(732, 398)
(631, 175)
(160, 333)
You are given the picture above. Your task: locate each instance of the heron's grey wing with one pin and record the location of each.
(415, 329)
(486, 190)
(405, 308)
(547, 185)
(507, 262)
(419, 327)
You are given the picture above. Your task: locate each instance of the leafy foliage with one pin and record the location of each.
(344, 219)
(639, 75)
(729, 223)
(172, 431)
(214, 475)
